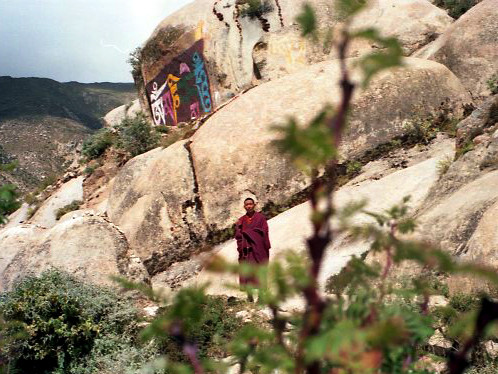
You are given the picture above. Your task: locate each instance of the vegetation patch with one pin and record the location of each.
(456, 8)
(136, 135)
(492, 84)
(96, 145)
(74, 205)
(70, 327)
(444, 165)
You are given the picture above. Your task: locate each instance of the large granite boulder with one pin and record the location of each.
(155, 201)
(66, 194)
(84, 245)
(290, 229)
(451, 221)
(115, 116)
(469, 47)
(232, 152)
(243, 47)
(482, 246)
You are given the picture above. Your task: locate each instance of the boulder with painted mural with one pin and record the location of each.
(233, 154)
(154, 200)
(468, 48)
(205, 53)
(84, 245)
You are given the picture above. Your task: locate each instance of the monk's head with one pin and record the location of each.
(249, 205)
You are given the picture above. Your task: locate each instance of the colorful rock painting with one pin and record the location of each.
(181, 91)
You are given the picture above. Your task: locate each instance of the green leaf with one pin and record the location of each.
(307, 21)
(348, 8)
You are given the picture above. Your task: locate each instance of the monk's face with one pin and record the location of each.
(249, 206)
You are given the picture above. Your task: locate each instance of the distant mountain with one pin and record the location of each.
(42, 120)
(84, 103)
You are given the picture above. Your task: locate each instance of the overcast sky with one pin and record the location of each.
(76, 40)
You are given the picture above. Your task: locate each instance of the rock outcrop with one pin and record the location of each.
(155, 201)
(232, 152)
(482, 246)
(167, 201)
(290, 229)
(243, 46)
(66, 194)
(469, 47)
(115, 116)
(85, 245)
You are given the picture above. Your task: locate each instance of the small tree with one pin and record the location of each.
(136, 135)
(97, 144)
(9, 195)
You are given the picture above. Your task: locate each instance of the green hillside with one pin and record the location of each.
(83, 103)
(42, 121)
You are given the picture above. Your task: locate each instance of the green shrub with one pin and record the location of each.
(89, 170)
(208, 321)
(492, 84)
(136, 135)
(74, 205)
(456, 8)
(444, 165)
(66, 321)
(9, 202)
(96, 145)
(353, 167)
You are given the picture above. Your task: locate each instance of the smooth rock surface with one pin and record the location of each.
(66, 194)
(290, 229)
(86, 246)
(154, 200)
(451, 221)
(469, 47)
(482, 247)
(115, 116)
(232, 151)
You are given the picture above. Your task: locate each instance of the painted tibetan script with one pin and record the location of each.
(181, 92)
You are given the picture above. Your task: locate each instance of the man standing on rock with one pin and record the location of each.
(253, 242)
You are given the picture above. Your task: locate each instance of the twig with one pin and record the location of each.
(458, 362)
(322, 233)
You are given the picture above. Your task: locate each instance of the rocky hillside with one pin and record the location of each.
(427, 129)
(42, 121)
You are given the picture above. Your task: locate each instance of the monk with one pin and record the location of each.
(253, 242)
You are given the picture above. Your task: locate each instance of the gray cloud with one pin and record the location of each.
(81, 40)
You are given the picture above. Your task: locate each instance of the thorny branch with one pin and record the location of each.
(322, 233)
(189, 349)
(488, 313)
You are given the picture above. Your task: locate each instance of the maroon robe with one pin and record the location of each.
(253, 242)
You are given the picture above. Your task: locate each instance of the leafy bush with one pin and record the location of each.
(8, 201)
(97, 144)
(66, 321)
(9, 195)
(492, 84)
(353, 167)
(208, 322)
(74, 205)
(136, 135)
(456, 8)
(444, 165)
(89, 170)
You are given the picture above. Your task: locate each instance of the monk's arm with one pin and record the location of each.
(266, 235)
(238, 236)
